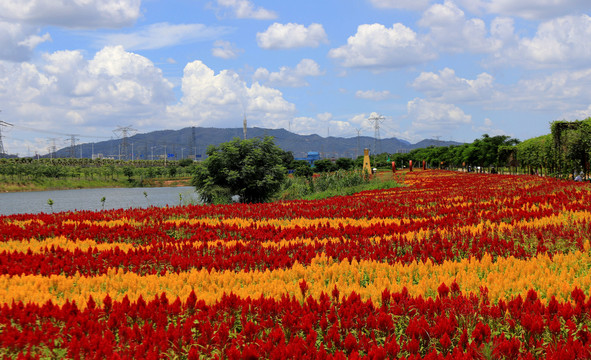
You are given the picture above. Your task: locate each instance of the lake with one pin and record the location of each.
(90, 199)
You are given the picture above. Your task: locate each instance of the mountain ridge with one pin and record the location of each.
(177, 144)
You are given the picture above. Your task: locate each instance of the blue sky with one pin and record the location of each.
(452, 70)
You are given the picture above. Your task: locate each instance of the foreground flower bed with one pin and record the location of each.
(450, 265)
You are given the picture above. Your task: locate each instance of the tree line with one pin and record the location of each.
(30, 169)
(562, 153)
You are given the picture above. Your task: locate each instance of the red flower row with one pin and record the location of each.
(455, 200)
(439, 201)
(333, 327)
(176, 255)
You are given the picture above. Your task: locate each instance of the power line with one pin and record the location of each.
(57, 133)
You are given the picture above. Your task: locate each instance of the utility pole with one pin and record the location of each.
(376, 120)
(124, 133)
(3, 123)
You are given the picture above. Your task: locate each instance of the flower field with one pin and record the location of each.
(451, 265)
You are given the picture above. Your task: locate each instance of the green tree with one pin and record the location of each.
(252, 169)
(345, 163)
(303, 169)
(287, 159)
(128, 171)
(324, 165)
(536, 153)
(185, 162)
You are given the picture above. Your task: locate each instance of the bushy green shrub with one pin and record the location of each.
(340, 182)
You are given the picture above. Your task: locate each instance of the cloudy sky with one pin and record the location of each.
(445, 69)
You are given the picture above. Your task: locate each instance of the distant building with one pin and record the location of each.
(312, 156)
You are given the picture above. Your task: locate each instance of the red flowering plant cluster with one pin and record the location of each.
(438, 220)
(450, 326)
(179, 246)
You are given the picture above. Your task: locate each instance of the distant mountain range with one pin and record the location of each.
(193, 141)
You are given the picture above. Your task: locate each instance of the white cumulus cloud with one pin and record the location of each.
(225, 50)
(451, 31)
(245, 9)
(290, 77)
(435, 116)
(528, 9)
(373, 95)
(562, 42)
(291, 35)
(21, 21)
(564, 91)
(377, 47)
(222, 99)
(18, 41)
(401, 4)
(488, 127)
(579, 114)
(323, 124)
(72, 14)
(113, 87)
(156, 36)
(446, 86)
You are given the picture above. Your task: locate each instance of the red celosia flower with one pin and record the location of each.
(303, 288)
(443, 290)
(445, 341)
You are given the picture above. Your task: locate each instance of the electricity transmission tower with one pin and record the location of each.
(357, 149)
(376, 120)
(244, 126)
(52, 148)
(5, 124)
(73, 139)
(192, 143)
(124, 133)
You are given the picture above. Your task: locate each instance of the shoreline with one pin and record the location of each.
(69, 184)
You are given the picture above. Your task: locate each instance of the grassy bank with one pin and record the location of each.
(340, 183)
(73, 183)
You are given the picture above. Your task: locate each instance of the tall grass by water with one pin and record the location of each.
(338, 183)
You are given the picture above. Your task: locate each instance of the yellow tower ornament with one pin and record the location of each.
(366, 166)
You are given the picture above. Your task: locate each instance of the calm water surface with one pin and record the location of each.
(90, 199)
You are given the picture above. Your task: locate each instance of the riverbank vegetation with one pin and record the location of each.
(338, 183)
(27, 174)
